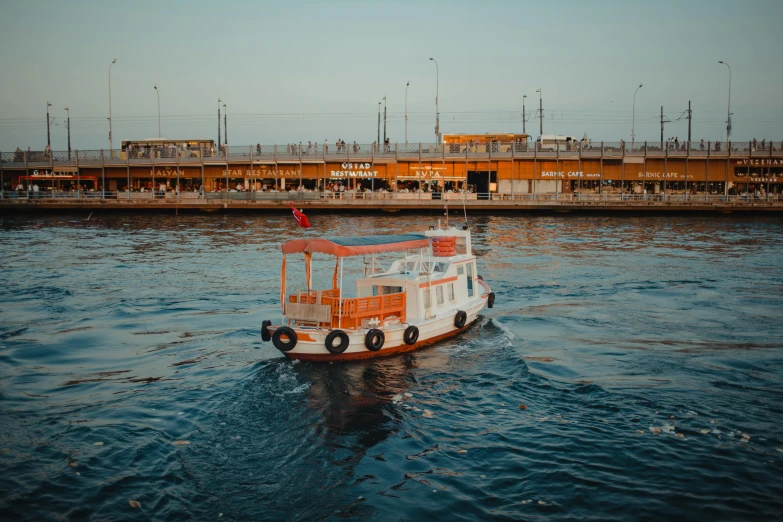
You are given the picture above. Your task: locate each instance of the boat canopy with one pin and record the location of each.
(357, 246)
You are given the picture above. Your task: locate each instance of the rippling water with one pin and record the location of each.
(647, 352)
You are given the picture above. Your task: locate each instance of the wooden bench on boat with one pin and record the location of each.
(323, 309)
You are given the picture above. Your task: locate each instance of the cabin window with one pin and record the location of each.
(386, 290)
(440, 267)
(460, 270)
(470, 279)
(451, 292)
(439, 294)
(427, 303)
(427, 267)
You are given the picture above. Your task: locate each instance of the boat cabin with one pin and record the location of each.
(437, 272)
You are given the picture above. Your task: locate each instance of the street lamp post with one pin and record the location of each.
(406, 112)
(633, 117)
(437, 112)
(225, 126)
(728, 117)
(111, 143)
(523, 113)
(219, 102)
(68, 126)
(384, 120)
(158, 93)
(48, 126)
(378, 141)
(540, 113)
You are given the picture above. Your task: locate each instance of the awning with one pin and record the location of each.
(356, 246)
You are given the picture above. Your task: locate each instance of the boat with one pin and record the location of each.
(432, 292)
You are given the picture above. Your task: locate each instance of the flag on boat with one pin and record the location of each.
(300, 218)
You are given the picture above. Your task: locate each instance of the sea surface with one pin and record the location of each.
(631, 369)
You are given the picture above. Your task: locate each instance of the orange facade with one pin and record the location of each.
(441, 171)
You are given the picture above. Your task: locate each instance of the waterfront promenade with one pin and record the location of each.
(391, 202)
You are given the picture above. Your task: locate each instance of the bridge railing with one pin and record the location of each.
(356, 151)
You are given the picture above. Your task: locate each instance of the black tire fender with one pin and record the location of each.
(341, 346)
(411, 335)
(265, 335)
(460, 319)
(491, 300)
(282, 344)
(374, 340)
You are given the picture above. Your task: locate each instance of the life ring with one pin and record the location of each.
(280, 343)
(374, 340)
(491, 300)
(265, 335)
(341, 346)
(411, 335)
(460, 318)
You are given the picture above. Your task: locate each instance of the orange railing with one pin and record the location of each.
(355, 309)
(312, 296)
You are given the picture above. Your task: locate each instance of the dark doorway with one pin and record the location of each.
(481, 181)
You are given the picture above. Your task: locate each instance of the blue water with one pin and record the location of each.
(647, 351)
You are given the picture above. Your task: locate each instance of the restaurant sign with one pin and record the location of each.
(429, 172)
(760, 162)
(261, 173)
(569, 174)
(355, 170)
(661, 175)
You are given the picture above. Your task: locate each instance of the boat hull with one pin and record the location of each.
(367, 354)
(311, 346)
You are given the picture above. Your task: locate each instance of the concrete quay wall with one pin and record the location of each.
(380, 205)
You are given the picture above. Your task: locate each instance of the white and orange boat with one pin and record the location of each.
(431, 293)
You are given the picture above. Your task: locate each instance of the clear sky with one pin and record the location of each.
(299, 71)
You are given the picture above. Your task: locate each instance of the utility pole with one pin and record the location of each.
(728, 116)
(378, 141)
(48, 133)
(225, 126)
(157, 92)
(384, 120)
(219, 102)
(540, 113)
(664, 119)
(406, 112)
(68, 126)
(437, 112)
(633, 115)
(689, 117)
(523, 113)
(111, 143)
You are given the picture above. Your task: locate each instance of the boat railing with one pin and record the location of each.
(312, 297)
(350, 313)
(313, 308)
(353, 311)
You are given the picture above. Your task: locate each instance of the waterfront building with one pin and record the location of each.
(481, 165)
